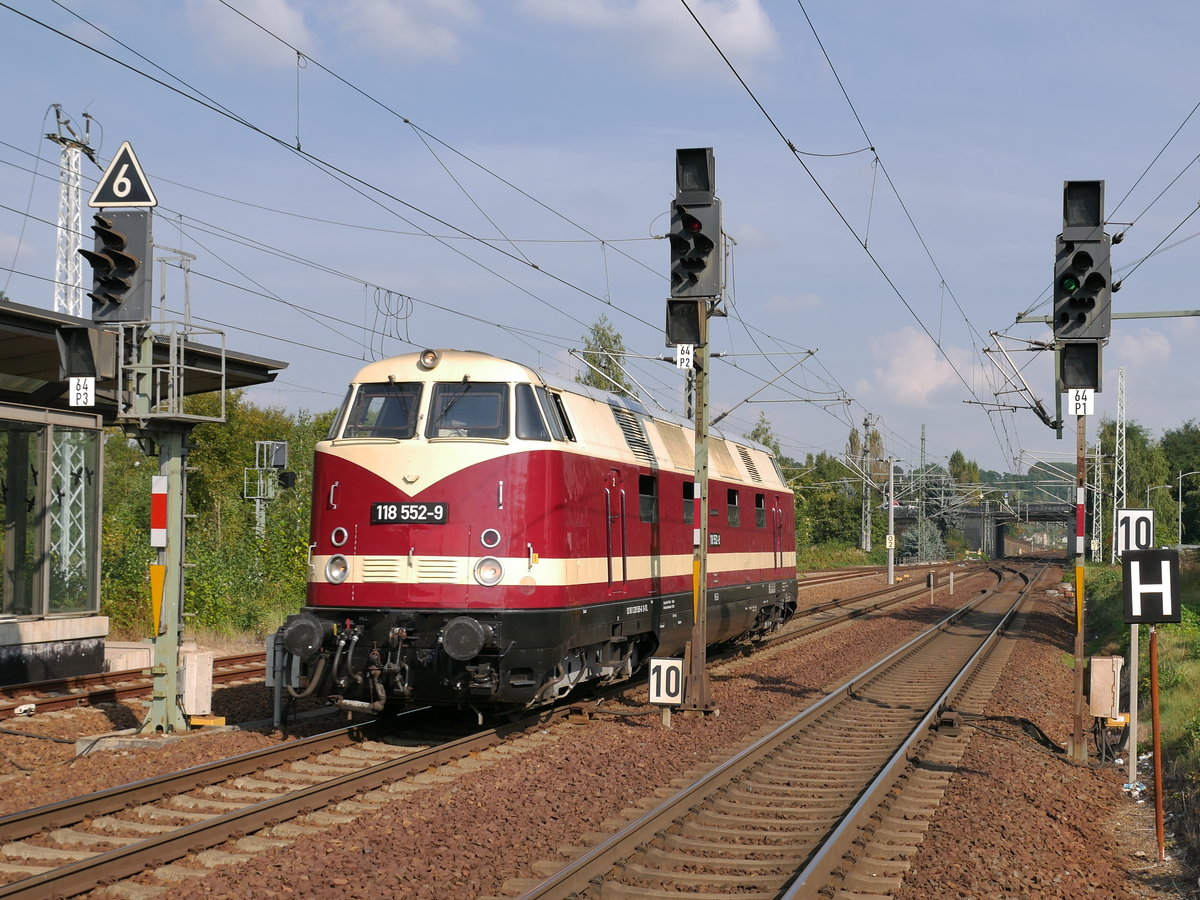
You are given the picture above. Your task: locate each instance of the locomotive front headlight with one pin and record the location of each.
(489, 571)
(337, 569)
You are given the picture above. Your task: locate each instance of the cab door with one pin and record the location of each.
(614, 532)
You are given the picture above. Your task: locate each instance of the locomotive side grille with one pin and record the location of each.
(635, 436)
(441, 569)
(383, 568)
(750, 467)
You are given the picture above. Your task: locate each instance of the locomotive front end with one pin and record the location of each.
(424, 569)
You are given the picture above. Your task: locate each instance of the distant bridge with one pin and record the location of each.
(991, 518)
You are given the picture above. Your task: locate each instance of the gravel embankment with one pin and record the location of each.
(1016, 820)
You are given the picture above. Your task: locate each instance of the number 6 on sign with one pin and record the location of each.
(666, 681)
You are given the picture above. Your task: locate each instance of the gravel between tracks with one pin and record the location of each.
(1016, 821)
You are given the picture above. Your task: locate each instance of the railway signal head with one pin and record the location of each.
(696, 249)
(695, 235)
(1083, 290)
(120, 280)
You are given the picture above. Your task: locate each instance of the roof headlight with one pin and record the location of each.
(429, 359)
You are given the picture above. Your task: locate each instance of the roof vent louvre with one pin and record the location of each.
(635, 435)
(750, 467)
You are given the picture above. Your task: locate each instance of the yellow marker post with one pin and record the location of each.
(158, 577)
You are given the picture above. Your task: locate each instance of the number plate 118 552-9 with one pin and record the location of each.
(409, 513)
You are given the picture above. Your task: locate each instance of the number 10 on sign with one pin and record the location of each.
(1135, 529)
(666, 681)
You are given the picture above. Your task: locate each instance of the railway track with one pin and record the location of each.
(69, 847)
(780, 818)
(824, 615)
(833, 576)
(110, 687)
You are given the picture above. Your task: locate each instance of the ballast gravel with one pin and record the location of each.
(1016, 821)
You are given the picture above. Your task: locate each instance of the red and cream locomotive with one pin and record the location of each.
(485, 538)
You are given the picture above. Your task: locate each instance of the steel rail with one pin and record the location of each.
(811, 880)
(588, 870)
(113, 865)
(108, 687)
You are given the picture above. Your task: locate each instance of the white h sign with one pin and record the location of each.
(1150, 601)
(1160, 589)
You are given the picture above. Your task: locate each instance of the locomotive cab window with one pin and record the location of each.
(335, 427)
(551, 412)
(556, 410)
(735, 515)
(385, 410)
(760, 510)
(468, 409)
(689, 497)
(530, 426)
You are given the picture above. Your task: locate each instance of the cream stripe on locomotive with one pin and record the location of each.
(544, 571)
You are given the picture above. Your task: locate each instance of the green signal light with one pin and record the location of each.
(1069, 283)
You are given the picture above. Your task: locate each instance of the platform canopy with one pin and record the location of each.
(30, 361)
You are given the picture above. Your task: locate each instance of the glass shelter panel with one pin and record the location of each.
(73, 518)
(19, 460)
(50, 508)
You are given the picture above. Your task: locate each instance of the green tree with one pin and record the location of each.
(603, 349)
(125, 536)
(833, 503)
(1181, 449)
(923, 542)
(962, 470)
(1145, 467)
(236, 581)
(762, 433)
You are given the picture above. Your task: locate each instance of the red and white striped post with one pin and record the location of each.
(158, 511)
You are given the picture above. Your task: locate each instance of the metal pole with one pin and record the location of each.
(1078, 746)
(696, 695)
(166, 706)
(1131, 748)
(1158, 767)
(891, 550)
(1179, 521)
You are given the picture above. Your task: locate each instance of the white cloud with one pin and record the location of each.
(231, 38)
(910, 369)
(793, 302)
(413, 29)
(1143, 348)
(421, 29)
(661, 32)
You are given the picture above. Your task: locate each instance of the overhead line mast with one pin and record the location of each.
(697, 253)
(68, 268)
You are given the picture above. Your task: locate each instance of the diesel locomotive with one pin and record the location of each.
(484, 537)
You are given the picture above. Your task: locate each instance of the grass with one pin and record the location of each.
(837, 556)
(223, 642)
(1178, 684)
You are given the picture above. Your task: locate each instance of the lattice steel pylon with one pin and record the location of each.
(68, 514)
(68, 265)
(1119, 460)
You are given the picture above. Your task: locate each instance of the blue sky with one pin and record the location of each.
(505, 167)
